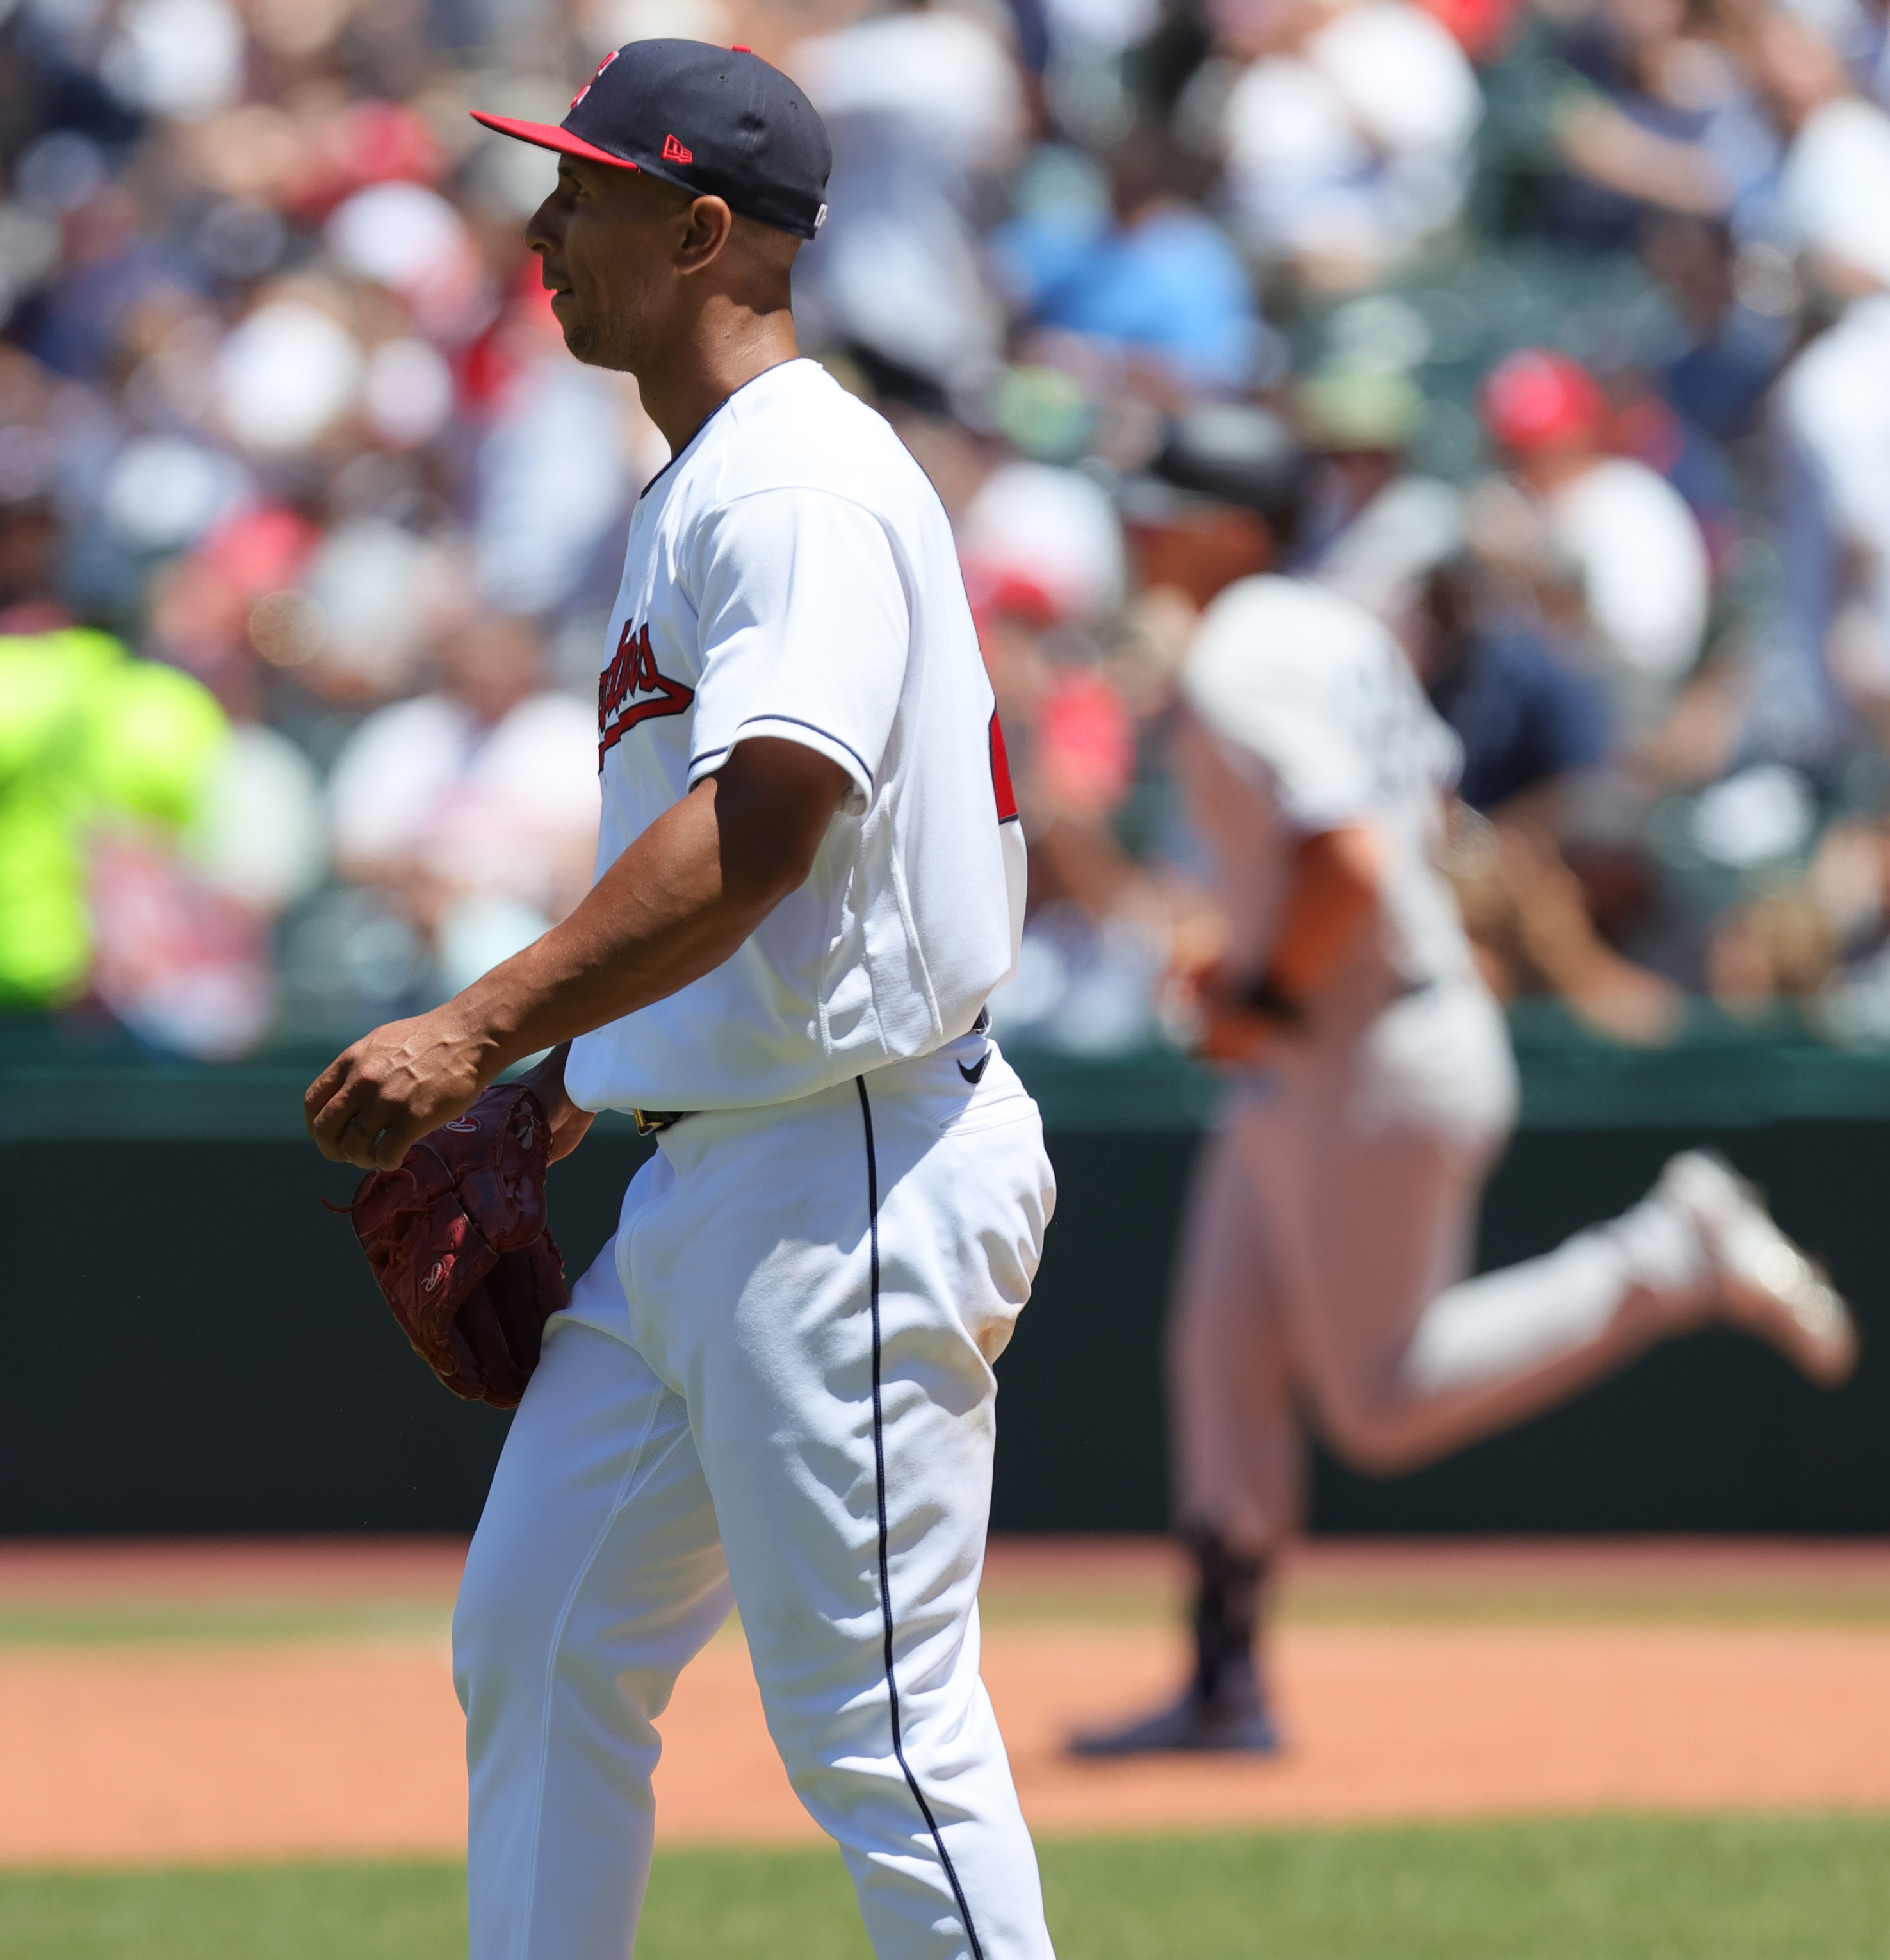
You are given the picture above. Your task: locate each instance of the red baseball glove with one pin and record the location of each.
(457, 1238)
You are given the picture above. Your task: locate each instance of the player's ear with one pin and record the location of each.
(707, 226)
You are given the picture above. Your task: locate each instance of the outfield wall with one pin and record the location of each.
(195, 1345)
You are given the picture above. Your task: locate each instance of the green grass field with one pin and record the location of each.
(1640, 1888)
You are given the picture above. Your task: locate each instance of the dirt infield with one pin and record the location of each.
(1415, 1682)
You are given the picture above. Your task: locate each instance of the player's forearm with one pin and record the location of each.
(674, 906)
(1332, 898)
(678, 903)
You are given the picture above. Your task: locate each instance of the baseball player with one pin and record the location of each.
(1334, 1210)
(773, 1388)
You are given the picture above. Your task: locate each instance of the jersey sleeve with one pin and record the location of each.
(805, 629)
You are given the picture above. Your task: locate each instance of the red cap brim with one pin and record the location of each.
(549, 136)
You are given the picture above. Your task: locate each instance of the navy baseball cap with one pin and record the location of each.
(714, 122)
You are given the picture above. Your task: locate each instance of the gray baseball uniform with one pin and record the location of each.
(1333, 1214)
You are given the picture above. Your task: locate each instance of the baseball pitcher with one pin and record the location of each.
(773, 1390)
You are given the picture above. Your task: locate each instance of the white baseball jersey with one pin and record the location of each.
(792, 573)
(1313, 720)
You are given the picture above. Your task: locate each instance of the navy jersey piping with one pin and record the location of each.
(793, 721)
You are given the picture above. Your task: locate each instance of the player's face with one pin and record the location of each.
(610, 240)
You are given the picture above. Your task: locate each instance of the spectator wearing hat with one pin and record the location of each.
(1621, 532)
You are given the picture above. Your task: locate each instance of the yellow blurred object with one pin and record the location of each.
(88, 735)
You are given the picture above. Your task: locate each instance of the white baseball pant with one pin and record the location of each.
(1332, 1218)
(773, 1390)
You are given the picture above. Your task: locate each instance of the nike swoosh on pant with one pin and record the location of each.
(974, 1076)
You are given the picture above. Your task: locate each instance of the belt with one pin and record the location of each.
(653, 1122)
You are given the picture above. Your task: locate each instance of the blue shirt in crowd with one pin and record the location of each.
(1170, 284)
(1522, 715)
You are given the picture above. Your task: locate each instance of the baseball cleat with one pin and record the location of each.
(1770, 1286)
(1191, 1725)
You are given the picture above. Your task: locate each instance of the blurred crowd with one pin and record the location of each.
(310, 528)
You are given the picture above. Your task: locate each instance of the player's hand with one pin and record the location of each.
(1205, 1011)
(570, 1125)
(1232, 1034)
(374, 1101)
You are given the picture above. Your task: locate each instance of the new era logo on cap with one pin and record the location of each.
(755, 140)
